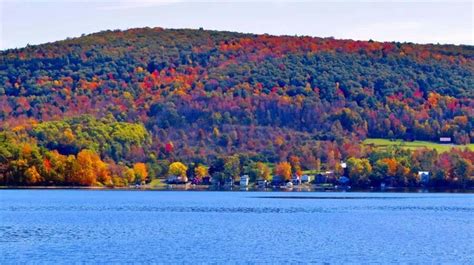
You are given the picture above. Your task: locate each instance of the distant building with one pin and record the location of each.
(424, 176)
(296, 180)
(445, 140)
(306, 178)
(262, 183)
(244, 181)
(324, 177)
(229, 182)
(321, 178)
(171, 179)
(206, 180)
(176, 180)
(277, 180)
(343, 180)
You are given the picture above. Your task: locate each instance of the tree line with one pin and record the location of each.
(25, 160)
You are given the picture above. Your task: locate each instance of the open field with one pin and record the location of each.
(415, 144)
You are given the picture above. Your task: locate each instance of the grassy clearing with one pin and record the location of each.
(415, 144)
(157, 183)
(311, 172)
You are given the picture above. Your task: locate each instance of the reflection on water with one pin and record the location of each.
(59, 226)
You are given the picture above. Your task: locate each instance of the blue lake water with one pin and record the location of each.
(76, 226)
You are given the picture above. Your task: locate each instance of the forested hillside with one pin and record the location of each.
(155, 96)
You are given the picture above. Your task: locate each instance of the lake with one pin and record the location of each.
(76, 226)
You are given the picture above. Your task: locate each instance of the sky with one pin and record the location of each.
(33, 22)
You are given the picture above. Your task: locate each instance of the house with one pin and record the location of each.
(324, 177)
(207, 180)
(445, 140)
(262, 183)
(343, 164)
(172, 179)
(306, 179)
(244, 181)
(296, 180)
(343, 180)
(177, 179)
(277, 180)
(321, 178)
(424, 176)
(229, 182)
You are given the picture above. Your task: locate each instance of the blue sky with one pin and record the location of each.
(34, 22)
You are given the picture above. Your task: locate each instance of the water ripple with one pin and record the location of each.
(215, 209)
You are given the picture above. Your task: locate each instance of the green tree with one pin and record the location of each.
(232, 167)
(359, 171)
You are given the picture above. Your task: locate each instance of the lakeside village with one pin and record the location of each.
(26, 164)
(321, 181)
(288, 176)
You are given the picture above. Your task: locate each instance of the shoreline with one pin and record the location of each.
(237, 189)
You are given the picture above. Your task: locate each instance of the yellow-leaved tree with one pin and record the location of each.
(200, 172)
(85, 173)
(178, 169)
(140, 171)
(32, 176)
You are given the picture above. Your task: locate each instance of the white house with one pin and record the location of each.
(262, 183)
(424, 176)
(445, 139)
(244, 180)
(296, 180)
(177, 179)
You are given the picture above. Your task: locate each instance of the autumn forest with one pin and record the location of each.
(116, 108)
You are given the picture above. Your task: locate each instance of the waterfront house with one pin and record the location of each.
(229, 182)
(207, 180)
(296, 180)
(244, 181)
(424, 176)
(171, 179)
(343, 180)
(277, 180)
(306, 178)
(321, 178)
(177, 179)
(262, 183)
(325, 177)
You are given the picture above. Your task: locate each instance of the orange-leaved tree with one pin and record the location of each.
(283, 170)
(140, 171)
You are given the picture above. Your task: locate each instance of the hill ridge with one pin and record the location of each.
(199, 95)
